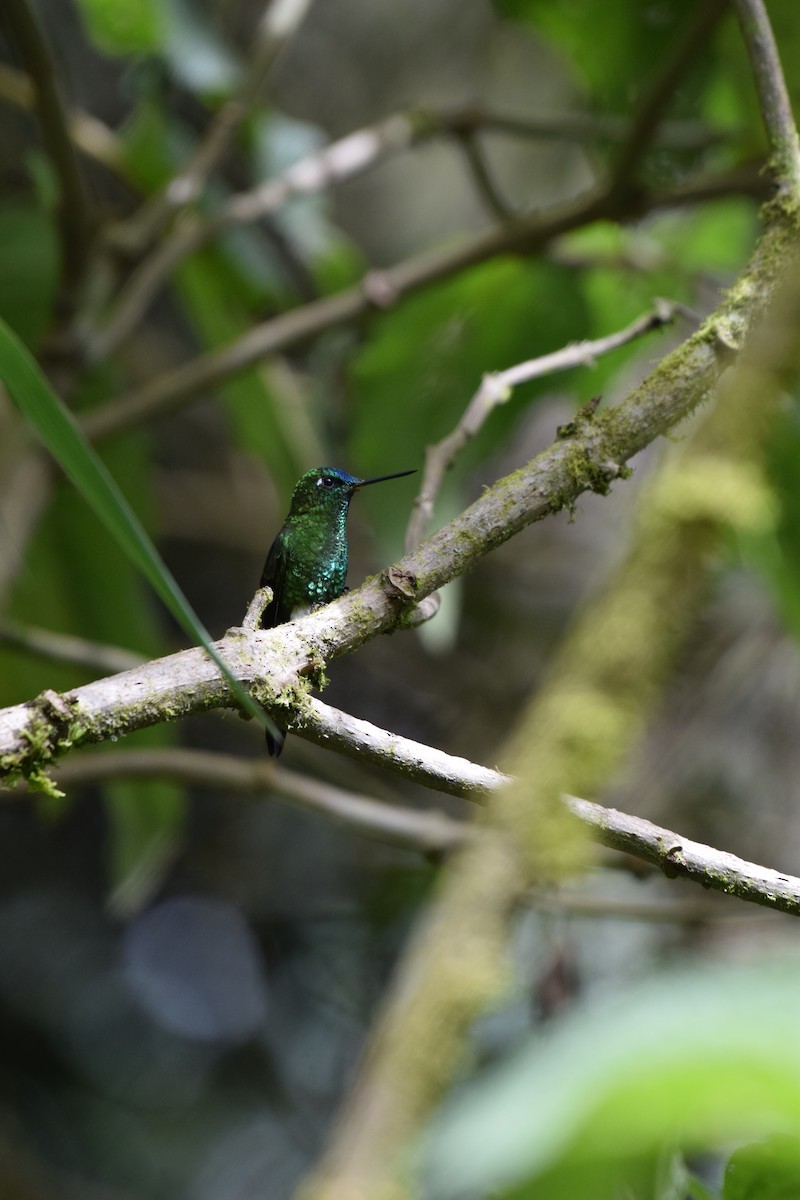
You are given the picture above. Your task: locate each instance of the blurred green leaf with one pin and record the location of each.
(217, 307)
(699, 1057)
(717, 237)
(76, 579)
(149, 144)
(277, 143)
(58, 431)
(122, 26)
(29, 269)
(624, 1178)
(768, 1170)
(775, 554)
(697, 1190)
(613, 44)
(146, 818)
(195, 50)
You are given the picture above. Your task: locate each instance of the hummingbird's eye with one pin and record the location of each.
(325, 481)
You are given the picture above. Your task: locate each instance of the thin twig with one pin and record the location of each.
(255, 609)
(384, 289)
(485, 185)
(673, 854)
(576, 127)
(427, 832)
(276, 26)
(416, 761)
(341, 160)
(773, 95)
(63, 647)
(90, 135)
(496, 389)
(73, 213)
(679, 856)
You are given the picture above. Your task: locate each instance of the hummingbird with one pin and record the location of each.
(307, 563)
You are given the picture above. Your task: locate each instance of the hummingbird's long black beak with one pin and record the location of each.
(380, 479)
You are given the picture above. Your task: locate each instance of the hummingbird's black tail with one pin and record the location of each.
(275, 741)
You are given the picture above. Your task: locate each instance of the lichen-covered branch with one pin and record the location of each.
(280, 663)
(589, 713)
(679, 857)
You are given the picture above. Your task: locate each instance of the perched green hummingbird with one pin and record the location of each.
(307, 563)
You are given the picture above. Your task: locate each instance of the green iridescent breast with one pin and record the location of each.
(317, 560)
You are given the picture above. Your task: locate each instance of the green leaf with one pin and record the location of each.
(195, 51)
(277, 142)
(768, 1170)
(29, 269)
(211, 293)
(696, 1189)
(145, 819)
(152, 144)
(695, 1058)
(122, 26)
(59, 432)
(775, 553)
(614, 45)
(77, 580)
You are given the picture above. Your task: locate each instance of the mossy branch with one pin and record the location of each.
(587, 716)
(279, 663)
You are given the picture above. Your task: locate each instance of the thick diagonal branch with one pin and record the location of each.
(277, 661)
(592, 709)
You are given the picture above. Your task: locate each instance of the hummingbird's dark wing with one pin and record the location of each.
(274, 576)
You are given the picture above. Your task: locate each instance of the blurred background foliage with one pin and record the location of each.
(186, 975)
